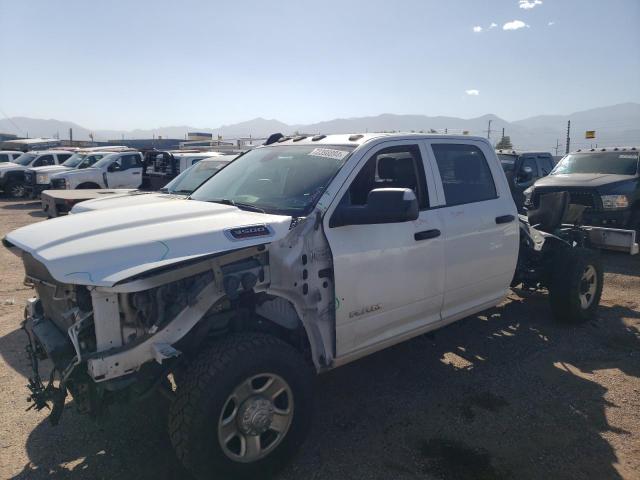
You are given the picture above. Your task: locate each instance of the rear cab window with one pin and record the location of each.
(465, 173)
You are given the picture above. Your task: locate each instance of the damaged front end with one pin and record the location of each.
(116, 343)
(120, 342)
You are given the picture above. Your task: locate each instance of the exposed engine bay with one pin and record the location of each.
(120, 342)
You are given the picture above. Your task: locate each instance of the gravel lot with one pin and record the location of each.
(505, 394)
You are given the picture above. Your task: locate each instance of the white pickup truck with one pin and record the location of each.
(12, 174)
(38, 179)
(298, 257)
(115, 170)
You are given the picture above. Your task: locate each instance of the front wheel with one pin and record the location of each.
(242, 408)
(576, 285)
(15, 190)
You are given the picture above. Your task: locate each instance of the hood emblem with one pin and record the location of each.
(248, 231)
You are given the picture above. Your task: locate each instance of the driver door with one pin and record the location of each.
(389, 278)
(125, 172)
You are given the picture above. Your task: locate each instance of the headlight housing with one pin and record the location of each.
(42, 179)
(614, 202)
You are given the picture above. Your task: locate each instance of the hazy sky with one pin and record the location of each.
(126, 64)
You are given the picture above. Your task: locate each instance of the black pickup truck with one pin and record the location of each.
(522, 169)
(606, 181)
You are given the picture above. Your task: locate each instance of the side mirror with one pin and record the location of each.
(114, 167)
(384, 205)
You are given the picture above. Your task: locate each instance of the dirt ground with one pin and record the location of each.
(505, 394)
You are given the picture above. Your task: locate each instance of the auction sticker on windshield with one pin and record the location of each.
(329, 153)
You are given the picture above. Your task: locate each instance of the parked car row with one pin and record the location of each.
(29, 174)
(60, 202)
(295, 258)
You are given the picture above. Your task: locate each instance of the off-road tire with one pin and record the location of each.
(567, 284)
(204, 389)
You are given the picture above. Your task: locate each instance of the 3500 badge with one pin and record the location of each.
(248, 231)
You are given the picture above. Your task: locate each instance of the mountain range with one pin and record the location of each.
(614, 125)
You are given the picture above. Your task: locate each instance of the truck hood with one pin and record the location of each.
(581, 180)
(107, 246)
(49, 169)
(5, 166)
(69, 172)
(128, 199)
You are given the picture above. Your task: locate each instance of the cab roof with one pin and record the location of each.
(607, 149)
(357, 139)
(50, 151)
(508, 151)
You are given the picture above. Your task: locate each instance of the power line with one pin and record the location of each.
(12, 122)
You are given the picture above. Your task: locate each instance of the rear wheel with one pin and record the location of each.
(576, 285)
(242, 408)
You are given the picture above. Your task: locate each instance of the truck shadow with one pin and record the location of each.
(18, 204)
(504, 394)
(621, 263)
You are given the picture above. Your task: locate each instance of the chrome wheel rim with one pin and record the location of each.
(588, 286)
(255, 418)
(17, 191)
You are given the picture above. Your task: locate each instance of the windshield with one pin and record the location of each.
(25, 159)
(617, 163)
(74, 160)
(285, 180)
(193, 177)
(105, 161)
(508, 162)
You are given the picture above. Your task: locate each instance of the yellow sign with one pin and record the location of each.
(590, 134)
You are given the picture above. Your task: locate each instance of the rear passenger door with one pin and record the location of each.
(480, 226)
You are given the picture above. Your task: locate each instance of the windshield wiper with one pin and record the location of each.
(242, 206)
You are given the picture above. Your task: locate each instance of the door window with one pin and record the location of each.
(63, 156)
(4, 157)
(44, 160)
(465, 173)
(546, 165)
(129, 161)
(393, 167)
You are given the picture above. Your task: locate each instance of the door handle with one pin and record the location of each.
(505, 219)
(427, 234)
(135, 173)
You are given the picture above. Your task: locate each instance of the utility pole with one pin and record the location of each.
(557, 145)
(489, 130)
(568, 136)
(71, 135)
